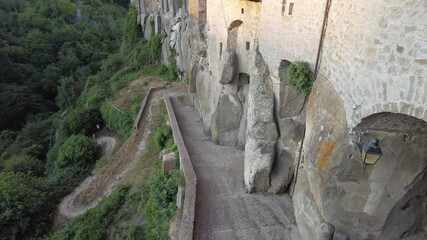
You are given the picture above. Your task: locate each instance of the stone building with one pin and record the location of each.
(370, 64)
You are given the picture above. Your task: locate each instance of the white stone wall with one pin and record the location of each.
(289, 37)
(220, 14)
(375, 54)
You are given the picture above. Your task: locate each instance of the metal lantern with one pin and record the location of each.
(371, 152)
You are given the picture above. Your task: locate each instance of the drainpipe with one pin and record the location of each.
(316, 69)
(322, 36)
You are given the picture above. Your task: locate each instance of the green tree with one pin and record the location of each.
(77, 150)
(80, 121)
(24, 164)
(68, 92)
(25, 206)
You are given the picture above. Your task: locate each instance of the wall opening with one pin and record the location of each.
(243, 79)
(401, 173)
(291, 8)
(282, 69)
(233, 31)
(283, 7)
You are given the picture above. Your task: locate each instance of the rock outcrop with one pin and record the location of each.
(261, 129)
(228, 67)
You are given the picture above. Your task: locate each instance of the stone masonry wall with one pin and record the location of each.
(375, 55)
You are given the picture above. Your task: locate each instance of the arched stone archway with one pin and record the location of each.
(388, 199)
(398, 182)
(232, 37)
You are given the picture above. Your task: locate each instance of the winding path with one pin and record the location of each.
(101, 184)
(223, 209)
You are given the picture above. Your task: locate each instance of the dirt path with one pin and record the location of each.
(223, 208)
(95, 187)
(66, 208)
(108, 144)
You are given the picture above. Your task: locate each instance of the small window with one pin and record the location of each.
(283, 7)
(248, 45)
(291, 8)
(243, 10)
(220, 50)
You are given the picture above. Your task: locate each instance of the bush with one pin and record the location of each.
(25, 164)
(300, 77)
(77, 150)
(80, 121)
(119, 121)
(163, 136)
(94, 223)
(93, 97)
(25, 206)
(132, 33)
(160, 206)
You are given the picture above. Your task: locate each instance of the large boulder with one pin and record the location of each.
(384, 201)
(282, 173)
(261, 129)
(228, 67)
(208, 92)
(226, 120)
(291, 101)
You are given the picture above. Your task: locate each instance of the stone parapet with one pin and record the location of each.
(185, 231)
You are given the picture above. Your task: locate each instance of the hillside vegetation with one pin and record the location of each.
(62, 64)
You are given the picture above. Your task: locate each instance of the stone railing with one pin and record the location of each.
(185, 231)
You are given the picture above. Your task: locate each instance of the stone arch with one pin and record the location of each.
(233, 31)
(395, 188)
(399, 107)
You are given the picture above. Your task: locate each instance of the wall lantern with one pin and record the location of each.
(371, 152)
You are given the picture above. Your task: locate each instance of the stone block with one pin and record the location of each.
(226, 120)
(291, 102)
(228, 67)
(157, 24)
(282, 172)
(168, 162)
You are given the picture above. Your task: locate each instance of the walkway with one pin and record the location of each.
(223, 209)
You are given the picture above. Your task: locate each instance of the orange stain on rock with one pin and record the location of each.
(324, 153)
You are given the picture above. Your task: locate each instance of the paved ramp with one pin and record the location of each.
(223, 209)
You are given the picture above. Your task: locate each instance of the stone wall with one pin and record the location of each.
(375, 56)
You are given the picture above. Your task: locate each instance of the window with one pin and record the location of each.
(283, 7)
(291, 8)
(243, 10)
(248, 45)
(220, 50)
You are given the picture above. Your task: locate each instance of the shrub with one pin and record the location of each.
(160, 206)
(80, 121)
(300, 77)
(93, 97)
(94, 223)
(25, 164)
(163, 135)
(119, 121)
(25, 206)
(77, 150)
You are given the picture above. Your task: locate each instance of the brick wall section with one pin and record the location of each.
(375, 55)
(187, 219)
